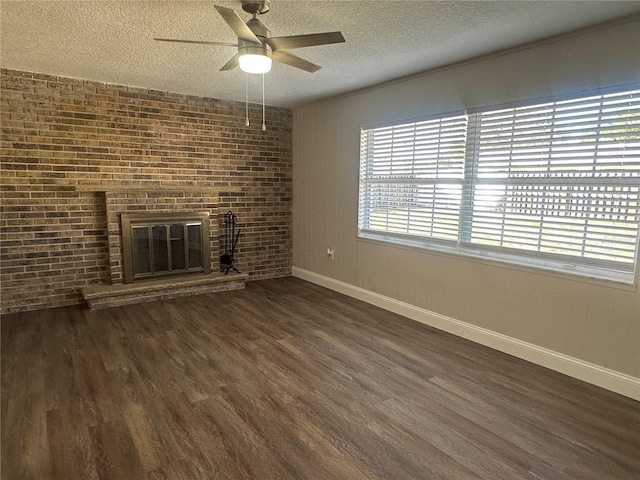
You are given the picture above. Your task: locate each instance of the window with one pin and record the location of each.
(554, 185)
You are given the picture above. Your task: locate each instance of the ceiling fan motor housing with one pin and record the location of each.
(258, 28)
(260, 31)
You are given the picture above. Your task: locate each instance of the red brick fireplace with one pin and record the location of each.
(157, 202)
(76, 154)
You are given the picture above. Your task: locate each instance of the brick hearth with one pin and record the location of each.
(102, 296)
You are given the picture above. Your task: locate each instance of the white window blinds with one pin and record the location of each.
(554, 185)
(412, 178)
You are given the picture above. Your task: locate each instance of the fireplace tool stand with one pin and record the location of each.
(230, 241)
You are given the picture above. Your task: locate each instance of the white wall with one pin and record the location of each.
(595, 322)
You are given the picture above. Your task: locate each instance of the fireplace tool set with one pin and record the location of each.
(230, 241)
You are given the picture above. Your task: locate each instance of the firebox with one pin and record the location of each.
(160, 244)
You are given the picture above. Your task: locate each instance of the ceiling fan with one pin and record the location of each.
(256, 46)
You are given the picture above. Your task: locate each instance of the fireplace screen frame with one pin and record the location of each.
(166, 220)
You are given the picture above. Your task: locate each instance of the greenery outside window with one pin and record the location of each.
(553, 185)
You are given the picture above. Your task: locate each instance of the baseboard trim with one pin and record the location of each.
(588, 372)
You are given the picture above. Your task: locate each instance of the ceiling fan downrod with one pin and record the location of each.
(256, 8)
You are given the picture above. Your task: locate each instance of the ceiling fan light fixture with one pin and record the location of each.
(255, 63)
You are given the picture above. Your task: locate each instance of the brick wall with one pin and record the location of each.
(66, 141)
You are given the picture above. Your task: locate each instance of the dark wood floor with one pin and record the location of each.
(287, 380)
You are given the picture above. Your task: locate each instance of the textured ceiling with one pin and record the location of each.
(111, 41)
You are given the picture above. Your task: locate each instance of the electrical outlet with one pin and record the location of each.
(330, 253)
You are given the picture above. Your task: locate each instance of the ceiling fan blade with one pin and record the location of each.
(309, 40)
(231, 64)
(202, 42)
(289, 59)
(237, 25)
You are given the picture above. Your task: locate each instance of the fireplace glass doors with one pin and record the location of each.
(160, 244)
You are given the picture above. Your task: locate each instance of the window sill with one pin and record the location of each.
(446, 251)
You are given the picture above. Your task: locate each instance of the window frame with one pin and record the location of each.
(561, 263)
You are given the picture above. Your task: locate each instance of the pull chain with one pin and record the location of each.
(246, 98)
(264, 125)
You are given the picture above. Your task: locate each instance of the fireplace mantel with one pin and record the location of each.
(120, 188)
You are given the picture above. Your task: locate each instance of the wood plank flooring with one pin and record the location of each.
(287, 380)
